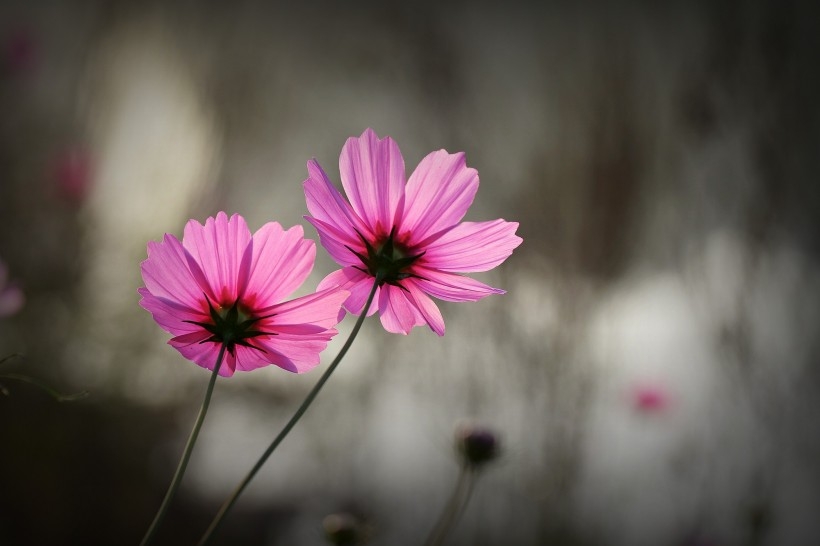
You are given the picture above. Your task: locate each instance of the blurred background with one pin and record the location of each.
(652, 372)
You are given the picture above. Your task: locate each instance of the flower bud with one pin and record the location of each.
(476, 445)
(343, 529)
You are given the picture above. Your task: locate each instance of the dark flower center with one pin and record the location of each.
(231, 326)
(388, 261)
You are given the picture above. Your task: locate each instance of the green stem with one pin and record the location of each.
(226, 506)
(9, 357)
(183, 462)
(58, 396)
(455, 506)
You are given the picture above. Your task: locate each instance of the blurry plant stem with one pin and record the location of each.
(9, 357)
(57, 395)
(183, 462)
(293, 420)
(455, 506)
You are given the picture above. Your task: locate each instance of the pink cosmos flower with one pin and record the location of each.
(408, 236)
(221, 285)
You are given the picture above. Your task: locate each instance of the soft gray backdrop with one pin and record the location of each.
(652, 371)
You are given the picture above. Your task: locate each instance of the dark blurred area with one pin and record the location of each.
(652, 370)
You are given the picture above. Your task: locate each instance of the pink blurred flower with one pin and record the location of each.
(20, 51)
(221, 285)
(11, 297)
(409, 235)
(73, 174)
(650, 398)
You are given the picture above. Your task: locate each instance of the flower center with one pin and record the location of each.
(231, 326)
(388, 261)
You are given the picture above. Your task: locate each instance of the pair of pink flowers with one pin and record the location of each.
(223, 287)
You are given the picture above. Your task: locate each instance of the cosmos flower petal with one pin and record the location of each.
(438, 194)
(281, 261)
(398, 314)
(191, 338)
(451, 287)
(340, 247)
(298, 353)
(305, 315)
(357, 283)
(428, 309)
(261, 355)
(172, 317)
(219, 248)
(472, 247)
(326, 204)
(372, 173)
(196, 349)
(167, 275)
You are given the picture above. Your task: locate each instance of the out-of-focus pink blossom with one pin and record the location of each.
(408, 236)
(223, 286)
(19, 51)
(650, 398)
(73, 173)
(11, 296)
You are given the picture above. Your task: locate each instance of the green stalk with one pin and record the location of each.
(293, 420)
(183, 462)
(455, 506)
(58, 396)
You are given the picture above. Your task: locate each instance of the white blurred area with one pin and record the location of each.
(652, 369)
(157, 153)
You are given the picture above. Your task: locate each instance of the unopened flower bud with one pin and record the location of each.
(343, 529)
(476, 445)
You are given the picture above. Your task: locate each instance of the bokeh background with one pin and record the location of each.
(652, 372)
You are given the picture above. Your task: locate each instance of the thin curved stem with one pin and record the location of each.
(293, 420)
(455, 506)
(57, 395)
(183, 462)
